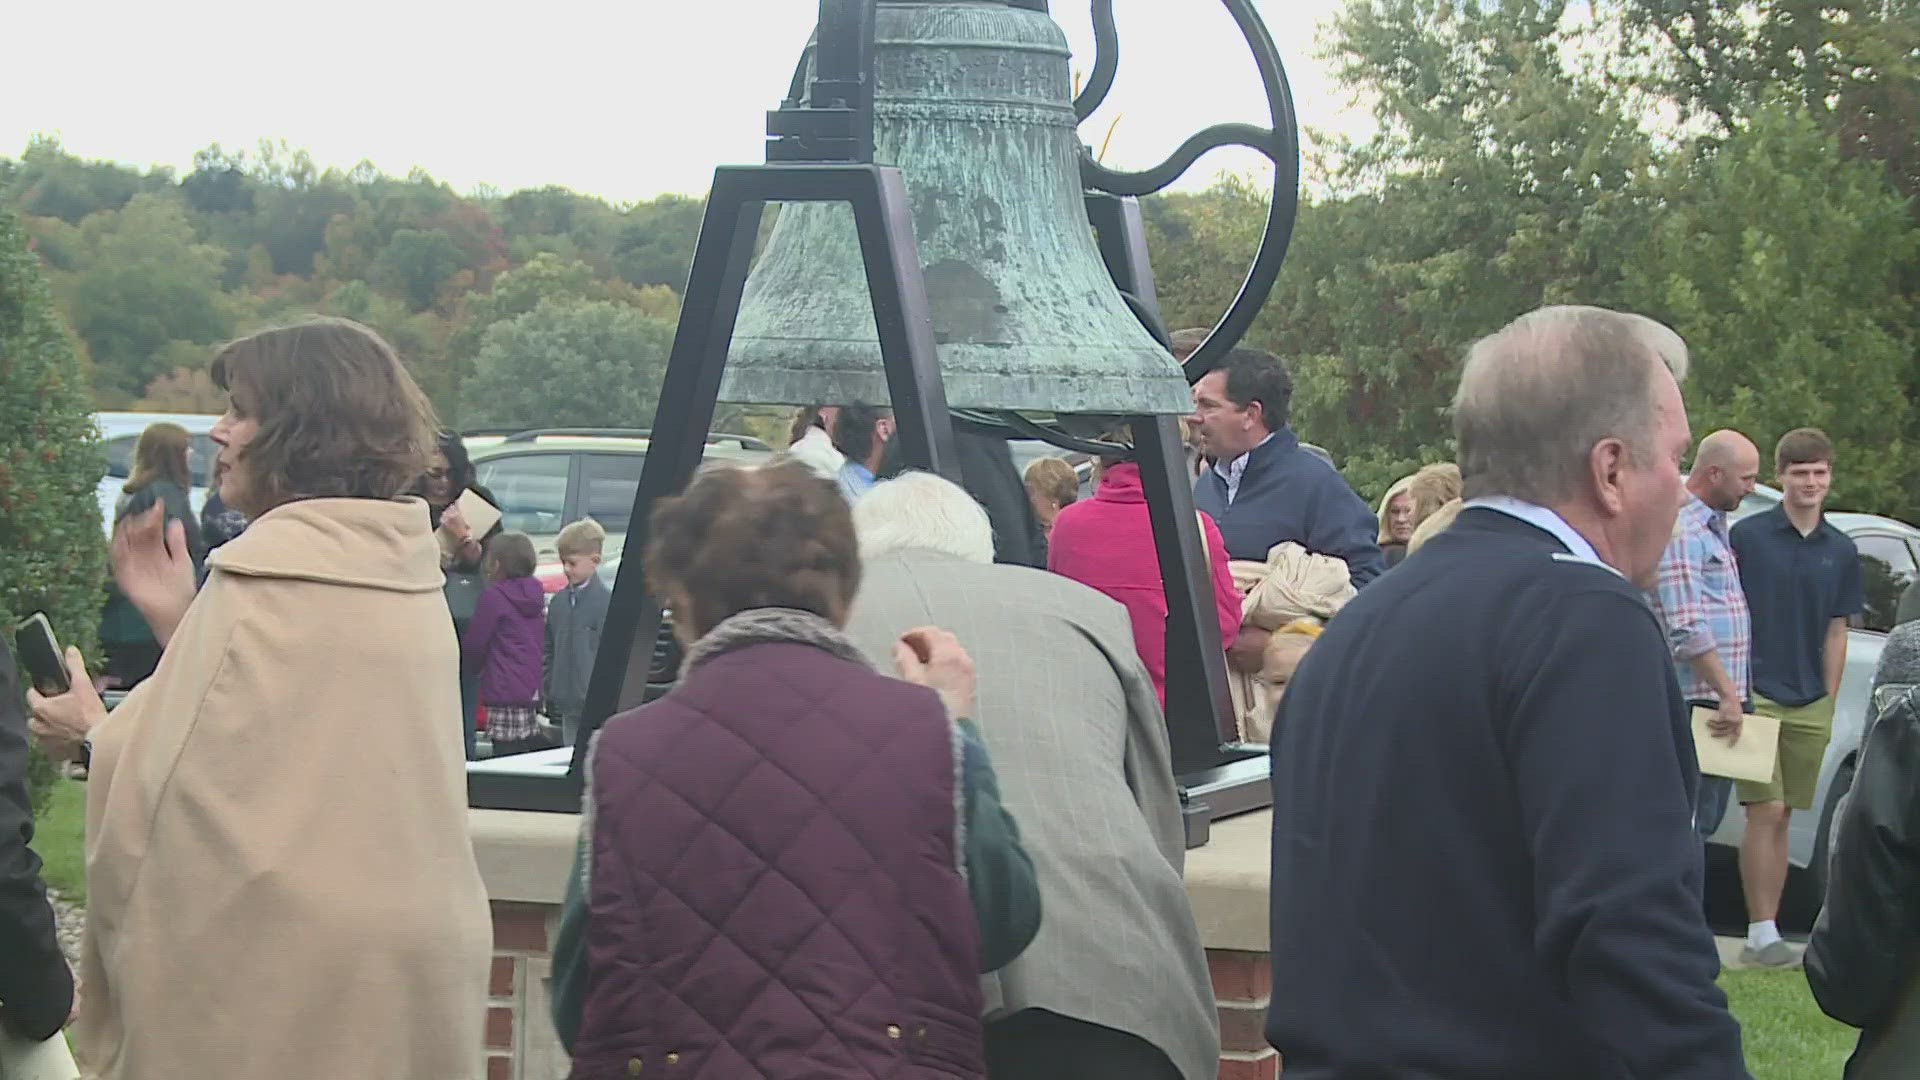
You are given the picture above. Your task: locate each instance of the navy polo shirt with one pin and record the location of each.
(1796, 585)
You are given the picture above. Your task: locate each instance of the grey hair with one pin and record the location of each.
(924, 512)
(1537, 394)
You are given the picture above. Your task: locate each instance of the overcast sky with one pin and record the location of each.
(626, 99)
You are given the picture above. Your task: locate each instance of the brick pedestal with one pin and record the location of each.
(525, 859)
(521, 1043)
(1242, 985)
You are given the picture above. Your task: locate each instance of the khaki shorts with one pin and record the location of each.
(1804, 734)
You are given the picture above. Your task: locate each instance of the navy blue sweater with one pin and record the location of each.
(1483, 860)
(1287, 494)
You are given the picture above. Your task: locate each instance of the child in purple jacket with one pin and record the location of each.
(505, 644)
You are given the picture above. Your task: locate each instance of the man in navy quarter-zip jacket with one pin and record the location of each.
(1262, 487)
(1484, 865)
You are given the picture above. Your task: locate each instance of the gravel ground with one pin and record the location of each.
(72, 921)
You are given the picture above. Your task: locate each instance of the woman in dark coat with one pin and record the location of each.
(161, 474)
(36, 986)
(461, 555)
(1863, 958)
(451, 477)
(791, 865)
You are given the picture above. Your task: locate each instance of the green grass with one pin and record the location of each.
(60, 838)
(1787, 1036)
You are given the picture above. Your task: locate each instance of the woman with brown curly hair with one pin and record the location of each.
(791, 865)
(265, 899)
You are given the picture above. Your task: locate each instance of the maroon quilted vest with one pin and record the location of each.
(775, 888)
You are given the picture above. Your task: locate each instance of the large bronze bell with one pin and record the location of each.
(973, 103)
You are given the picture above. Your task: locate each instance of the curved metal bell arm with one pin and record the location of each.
(1279, 143)
(1106, 60)
(1114, 182)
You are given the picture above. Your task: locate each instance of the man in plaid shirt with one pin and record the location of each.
(1703, 606)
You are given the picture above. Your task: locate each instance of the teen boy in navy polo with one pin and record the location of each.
(1484, 866)
(1802, 580)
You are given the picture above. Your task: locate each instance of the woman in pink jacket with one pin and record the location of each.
(1106, 542)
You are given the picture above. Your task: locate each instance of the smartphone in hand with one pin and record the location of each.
(41, 656)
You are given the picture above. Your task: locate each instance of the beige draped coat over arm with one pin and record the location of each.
(280, 878)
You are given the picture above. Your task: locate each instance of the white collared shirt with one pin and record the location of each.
(1545, 520)
(1233, 470)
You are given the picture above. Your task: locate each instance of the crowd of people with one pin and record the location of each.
(909, 809)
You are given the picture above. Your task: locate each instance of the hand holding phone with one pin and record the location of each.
(64, 706)
(41, 656)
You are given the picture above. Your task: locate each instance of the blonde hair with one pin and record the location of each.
(1052, 479)
(1434, 525)
(1386, 503)
(1433, 487)
(583, 537)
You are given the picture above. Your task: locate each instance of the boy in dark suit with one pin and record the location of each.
(574, 618)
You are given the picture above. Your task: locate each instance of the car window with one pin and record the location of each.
(120, 456)
(1886, 569)
(200, 459)
(611, 480)
(532, 489)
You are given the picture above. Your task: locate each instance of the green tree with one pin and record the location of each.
(588, 363)
(1779, 261)
(417, 264)
(145, 282)
(1505, 175)
(52, 549)
(49, 182)
(655, 246)
(419, 337)
(1852, 65)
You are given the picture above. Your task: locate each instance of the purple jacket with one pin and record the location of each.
(506, 642)
(776, 885)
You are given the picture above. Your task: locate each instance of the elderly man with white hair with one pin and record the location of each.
(1484, 865)
(1115, 986)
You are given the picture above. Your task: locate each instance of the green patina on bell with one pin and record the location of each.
(973, 103)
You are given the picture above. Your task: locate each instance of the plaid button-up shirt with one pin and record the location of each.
(1701, 603)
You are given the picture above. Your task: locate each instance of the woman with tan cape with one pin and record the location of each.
(280, 882)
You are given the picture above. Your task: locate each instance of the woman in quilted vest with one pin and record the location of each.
(791, 866)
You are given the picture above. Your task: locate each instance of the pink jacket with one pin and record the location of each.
(1107, 543)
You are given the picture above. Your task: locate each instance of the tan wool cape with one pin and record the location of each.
(280, 880)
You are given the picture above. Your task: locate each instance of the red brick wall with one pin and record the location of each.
(519, 935)
(1242, 984)
(522, 933)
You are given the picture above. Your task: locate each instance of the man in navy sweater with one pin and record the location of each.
(1263, 488)
(1484, 866)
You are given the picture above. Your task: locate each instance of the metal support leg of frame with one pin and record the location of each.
(1218, 774)
(692, 384)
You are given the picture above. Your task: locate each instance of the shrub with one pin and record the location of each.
(52, 548)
